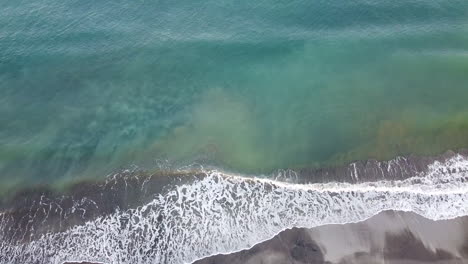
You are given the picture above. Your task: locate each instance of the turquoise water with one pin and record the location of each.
(88, 87)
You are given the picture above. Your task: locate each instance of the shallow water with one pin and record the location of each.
(223, 213)
(88, 87)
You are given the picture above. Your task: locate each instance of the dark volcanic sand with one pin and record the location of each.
(44, 210)
(32, 212)
(390, 237)
(36, 211)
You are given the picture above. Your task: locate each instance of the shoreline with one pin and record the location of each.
(34, 211)
(393, 228)
(387, 237)
(401, 167)
(133, 201)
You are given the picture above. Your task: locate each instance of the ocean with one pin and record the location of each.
(250, 89)
(251, 86)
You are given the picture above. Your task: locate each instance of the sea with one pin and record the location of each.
(241, 92)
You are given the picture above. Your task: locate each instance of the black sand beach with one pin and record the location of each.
(389, 237)
(31, 212)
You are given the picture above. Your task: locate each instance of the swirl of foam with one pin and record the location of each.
(222, 213)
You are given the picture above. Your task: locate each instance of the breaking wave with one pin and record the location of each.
(222, 213)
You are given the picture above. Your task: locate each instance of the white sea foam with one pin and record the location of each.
(223, 213)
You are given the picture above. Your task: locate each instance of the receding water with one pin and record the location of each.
(224, 213)
(87, 87)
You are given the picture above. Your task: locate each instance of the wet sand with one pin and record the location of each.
(389, 237)
(32, 212)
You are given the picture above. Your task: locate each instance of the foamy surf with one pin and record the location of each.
(223, 213)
